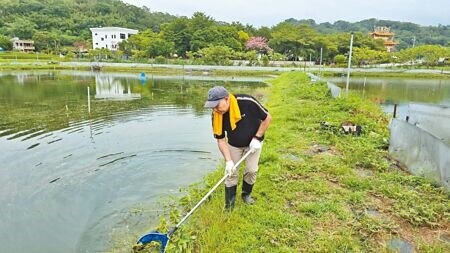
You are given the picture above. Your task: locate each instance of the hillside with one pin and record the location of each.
(405, 32)
(70, 20)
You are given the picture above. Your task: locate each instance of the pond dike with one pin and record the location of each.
(421, 141)
(319, 188)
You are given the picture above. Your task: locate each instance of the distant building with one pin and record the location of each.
(23, 45)
(384, 33)
(110, 37)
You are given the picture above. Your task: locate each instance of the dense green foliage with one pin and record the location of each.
(406, 33)
(318, 189)
(5, 43)
(62, 26)
(64, 22)
(200, 39)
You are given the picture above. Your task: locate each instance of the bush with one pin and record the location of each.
(340, 59)
(217, 55)
(5, 43)
(160, 60)
(265, 60)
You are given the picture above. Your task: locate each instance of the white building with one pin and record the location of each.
(23, 45)
(109, 37)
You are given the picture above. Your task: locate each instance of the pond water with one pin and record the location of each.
(400, 91)
(72, 180)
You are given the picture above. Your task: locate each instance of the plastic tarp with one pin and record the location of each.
(433, 119)
(335, 91)
(420, 151)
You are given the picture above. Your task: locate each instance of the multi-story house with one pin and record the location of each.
(22, 45)
(110, 37)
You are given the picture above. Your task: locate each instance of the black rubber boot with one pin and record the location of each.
(230, 197)
(246, 191)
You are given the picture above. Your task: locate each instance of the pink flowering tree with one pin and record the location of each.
(258, 44)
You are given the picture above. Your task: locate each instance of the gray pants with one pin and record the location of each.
(251, 165)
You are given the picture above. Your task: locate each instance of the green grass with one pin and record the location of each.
(21, 56)
(399, 73)
(313, 201)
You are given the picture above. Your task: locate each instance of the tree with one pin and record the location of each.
(5, 43)
(178, 32)
(200, 21)
(141, 41)
(45, 41)
(263, 31)
(340, 59)
(159, 47)
(22, 28)
(217, 55)
(217, 35)
(259, 44)
(429, 54)
(289, 40)
(137, 45)
(365, 55)
(243, 37)
(229, 36)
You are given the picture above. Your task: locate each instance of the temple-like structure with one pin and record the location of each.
(384, 33)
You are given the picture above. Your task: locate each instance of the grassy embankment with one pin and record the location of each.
(400, 73)
(319, 190)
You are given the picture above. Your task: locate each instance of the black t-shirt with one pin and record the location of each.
(252, 114)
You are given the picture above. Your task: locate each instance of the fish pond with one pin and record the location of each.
(400, 91)
(87, 158)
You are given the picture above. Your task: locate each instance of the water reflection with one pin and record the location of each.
(22, 78)
(109, 87)
(399, 90)
(390, 91)
(47, 101)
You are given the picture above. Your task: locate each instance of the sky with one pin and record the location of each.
(271, 12)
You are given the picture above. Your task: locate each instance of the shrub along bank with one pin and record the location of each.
(318, 189)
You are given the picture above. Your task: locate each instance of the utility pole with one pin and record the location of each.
(349, 64)
(89, 100)
(414, 41)
(320, 64)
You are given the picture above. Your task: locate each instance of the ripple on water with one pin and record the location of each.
(108, 155)
(117, 159)
(22, 133)
(7, 132)
(33, 146)
(182, 150)
(34, 135)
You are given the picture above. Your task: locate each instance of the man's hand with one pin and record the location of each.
(255, 145)
(229, 168)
